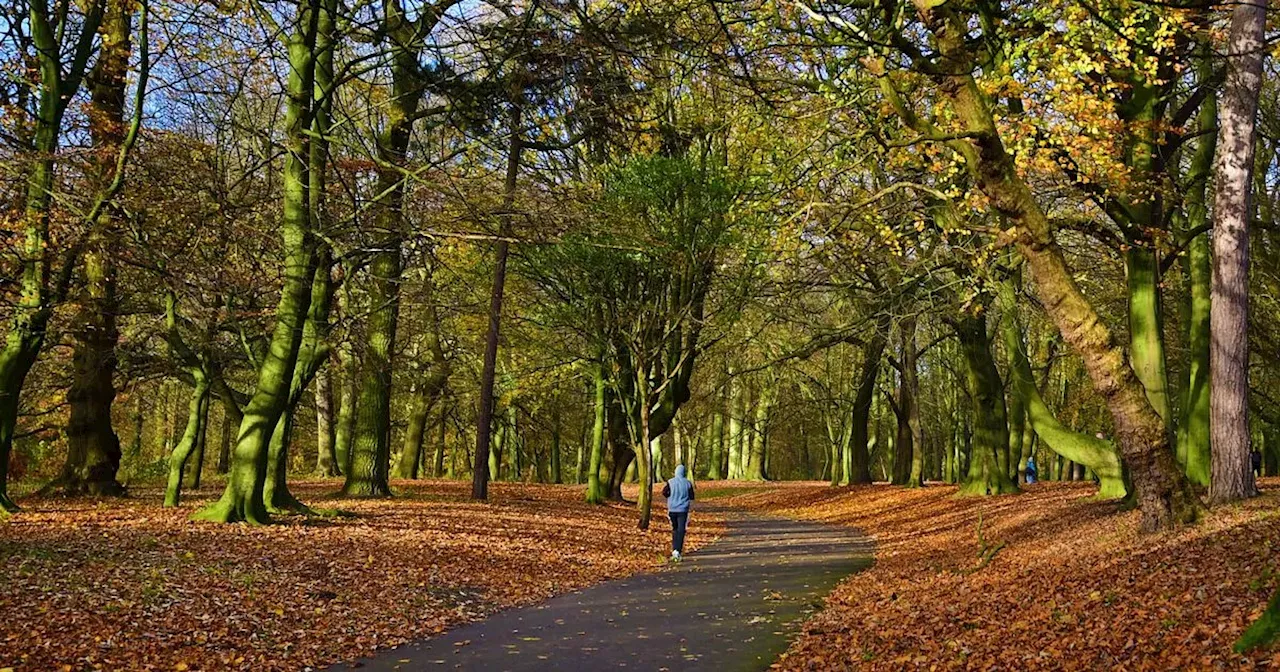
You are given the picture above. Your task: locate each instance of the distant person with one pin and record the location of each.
(1031, 470)
(1255, 458)
(680, 495)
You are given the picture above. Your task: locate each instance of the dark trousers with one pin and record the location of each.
(679, 522)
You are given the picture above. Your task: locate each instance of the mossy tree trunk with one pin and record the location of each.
(556, 476)
(243, 498)
(197, 460)
(326, 456)
(1098, 454)
(756, 469)
(736, 430)
(190, 437)
(58, 84)
(595, 491)
(1194, 428)
(224, 444)
(986, 474)
(1163, 493)
(370, 459)
(716, 452)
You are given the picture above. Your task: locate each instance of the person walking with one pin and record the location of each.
(680, 495)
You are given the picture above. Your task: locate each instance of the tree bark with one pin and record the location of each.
(484, 414)
(190, 437)
(1087, 449)
(595, 491)
(858, 455)
(986, 474)
(1194, 448)
(1232, 206)
(756, 466)
(326, 455)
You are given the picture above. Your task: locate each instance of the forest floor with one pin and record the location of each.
(1073, 586)
(128, 585)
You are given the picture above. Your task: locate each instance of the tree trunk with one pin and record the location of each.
(1080, 447)
(326, 455)
(202, 439)
(716, 451)
(858, 456)
(1232, 206)
(986, 474)
(556, 476)
(484, 414)
(224, 450)
(595, 492)
(1194, 428)
(243, 498)
(344, 431)
(645, 501)
(736, 431)
(411, 454)
(437, 464)
(1163, 493)
(190, 438)
(756, 466)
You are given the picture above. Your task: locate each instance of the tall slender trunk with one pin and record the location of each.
(756, 466)
(135, 442)
(224, 450)
(411, 454)
(93, 449)
(911, 402)
(1232, 207)
(499, 446)
(442, 445)
(717, 447)
(556, 476)
(1194, 428)
(736, 430)
(326, 456)
(344, 429)
(484, 414)
(645, 501)
(595, 491)
(202, 439)
(242, 499)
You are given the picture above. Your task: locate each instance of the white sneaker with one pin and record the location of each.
(675, 556)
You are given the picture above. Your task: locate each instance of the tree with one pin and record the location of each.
(1229, 314)
(93, 449)
(242, 500)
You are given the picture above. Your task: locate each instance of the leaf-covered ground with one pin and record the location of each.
(1074, 587)
(125, 585)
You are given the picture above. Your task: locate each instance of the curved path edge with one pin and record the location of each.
(734, 605)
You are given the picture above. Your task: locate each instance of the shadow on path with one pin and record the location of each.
(731, 606)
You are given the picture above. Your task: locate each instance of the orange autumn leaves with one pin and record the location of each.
(126, 585)
(1074, 588)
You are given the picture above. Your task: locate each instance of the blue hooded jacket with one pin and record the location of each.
(679, 492)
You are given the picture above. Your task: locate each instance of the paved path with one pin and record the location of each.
(732, 606)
